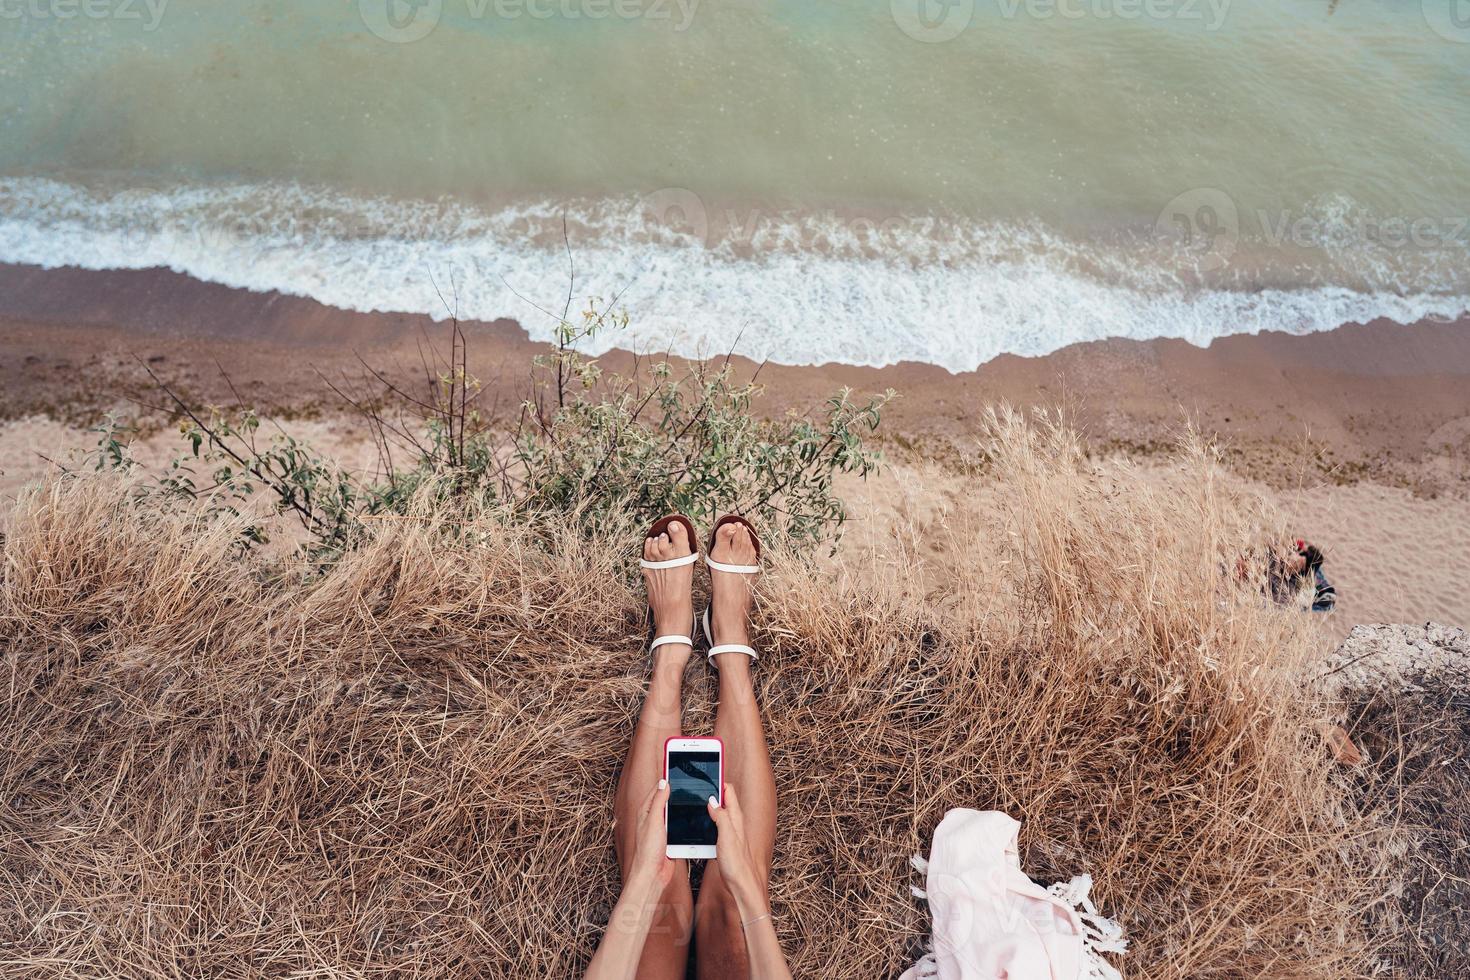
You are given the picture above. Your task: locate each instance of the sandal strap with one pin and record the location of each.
(671, 563)
(716, 649)
(720, 566)
(669, 640)
(732, 648)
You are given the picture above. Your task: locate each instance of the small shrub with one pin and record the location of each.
(586, 445)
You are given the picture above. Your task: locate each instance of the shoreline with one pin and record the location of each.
(696, 276)
(1380, 401)
(1358, 437)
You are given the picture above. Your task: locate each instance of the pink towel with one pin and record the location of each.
(992, 922)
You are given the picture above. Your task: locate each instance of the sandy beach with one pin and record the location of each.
(1360, 437)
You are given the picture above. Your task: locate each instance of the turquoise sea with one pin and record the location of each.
(864, 181)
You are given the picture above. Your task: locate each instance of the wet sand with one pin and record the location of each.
(1381, 401)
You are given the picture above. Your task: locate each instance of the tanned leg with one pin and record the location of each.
(720, 942)
(666, 951)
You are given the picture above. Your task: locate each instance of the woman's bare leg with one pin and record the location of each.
(720, 946)
(666, 951)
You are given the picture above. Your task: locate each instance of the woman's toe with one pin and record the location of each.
(678, 539)
(737, 542)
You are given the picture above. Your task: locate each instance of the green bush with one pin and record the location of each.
(586, 446)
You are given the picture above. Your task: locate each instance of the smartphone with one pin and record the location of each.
(695, 769)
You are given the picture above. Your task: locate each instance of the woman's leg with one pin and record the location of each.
(666, 952)
(720, 943)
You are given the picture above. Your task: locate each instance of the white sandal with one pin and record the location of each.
(659, 528)
(719, 566)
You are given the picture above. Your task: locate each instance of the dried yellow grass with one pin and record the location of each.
(215, 766)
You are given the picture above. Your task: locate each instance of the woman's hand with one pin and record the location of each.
(737, 867)
(650, 855)
(627, 928)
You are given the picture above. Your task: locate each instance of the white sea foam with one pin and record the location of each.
(795, 290)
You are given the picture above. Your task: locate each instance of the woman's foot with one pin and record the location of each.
(730, 593)
(670, 591)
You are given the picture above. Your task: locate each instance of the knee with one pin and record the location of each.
(673, 916)
(717, 906)
(720, 942)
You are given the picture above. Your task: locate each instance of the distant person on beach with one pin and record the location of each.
(658, 917)
(1289, 570)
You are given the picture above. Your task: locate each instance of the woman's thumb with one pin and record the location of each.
(659, 796)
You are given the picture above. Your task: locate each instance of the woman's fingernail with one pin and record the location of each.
(663, 784)
(714, 802)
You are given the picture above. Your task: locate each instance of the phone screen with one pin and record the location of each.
(693, 779)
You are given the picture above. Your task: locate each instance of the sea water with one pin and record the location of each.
(864, 181)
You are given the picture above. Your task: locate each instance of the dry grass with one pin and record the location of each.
(1419, 739)
(405, 767)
